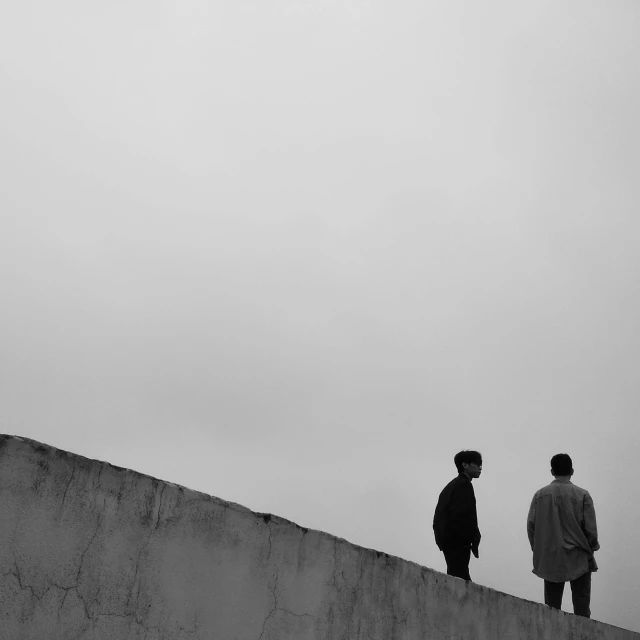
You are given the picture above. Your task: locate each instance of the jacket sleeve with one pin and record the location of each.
(589, 525)
(531, 521)
(438, 527)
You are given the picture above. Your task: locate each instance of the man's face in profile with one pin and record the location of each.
(472, 469)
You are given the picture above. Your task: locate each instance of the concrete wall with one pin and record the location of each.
(92, 551)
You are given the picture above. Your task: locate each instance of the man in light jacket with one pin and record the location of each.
(563, 535)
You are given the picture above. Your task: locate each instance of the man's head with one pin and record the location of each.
(469, 463)
(561, 465)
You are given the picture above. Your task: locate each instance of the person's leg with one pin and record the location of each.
(581, 595)
(553, 593)
(458, 562)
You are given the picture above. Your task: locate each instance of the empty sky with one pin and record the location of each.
(296, 254)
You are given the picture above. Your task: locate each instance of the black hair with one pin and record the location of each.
(468, 457)
(561, 464)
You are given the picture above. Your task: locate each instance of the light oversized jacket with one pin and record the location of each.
(562, 531)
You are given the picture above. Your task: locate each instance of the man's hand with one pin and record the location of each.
(474, 550)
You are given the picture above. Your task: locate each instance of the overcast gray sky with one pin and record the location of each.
(296, 254)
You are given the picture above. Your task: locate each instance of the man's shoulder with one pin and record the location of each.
(540, 492)
(559, 488)
(580, 490)
(457, 481)
(453, 482)
(547, 489)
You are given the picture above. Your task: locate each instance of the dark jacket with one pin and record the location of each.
(455, 522)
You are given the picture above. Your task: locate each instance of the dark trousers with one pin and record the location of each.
(458, 562)
(580, 594)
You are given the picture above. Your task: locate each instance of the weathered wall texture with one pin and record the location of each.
(92, 551)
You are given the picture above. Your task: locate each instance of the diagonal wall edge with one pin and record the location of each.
(92, 551)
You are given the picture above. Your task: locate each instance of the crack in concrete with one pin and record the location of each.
(109, 614)
(148, 627)
(277, 608)
(270, 547)
(64, 497)
(66, 593)
(51, 585)
(23, 586)
(296, 615)
(93, 537)
(76, 586)
(17, 576)
(275, 604)
(141, 623)
(334, 582)
(143, 548)
(96, 480)
(266, 517)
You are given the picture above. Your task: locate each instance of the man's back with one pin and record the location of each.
(562, 531)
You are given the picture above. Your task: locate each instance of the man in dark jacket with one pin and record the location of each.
(455, 523)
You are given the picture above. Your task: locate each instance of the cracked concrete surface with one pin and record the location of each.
(89, 551)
